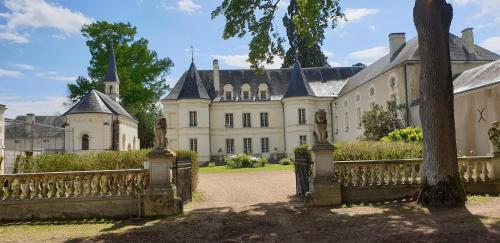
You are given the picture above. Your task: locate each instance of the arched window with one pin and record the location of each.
(85, 142)
(228, 92)
(124, 140)
(111, 89)
(372, 91)
(245, 92)
(134, 143)
(263, 93)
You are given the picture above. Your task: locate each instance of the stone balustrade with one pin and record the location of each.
(78, 185)
(386, 173)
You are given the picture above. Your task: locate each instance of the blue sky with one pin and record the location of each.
(41, 48)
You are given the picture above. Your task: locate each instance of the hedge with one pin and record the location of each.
(365, 150)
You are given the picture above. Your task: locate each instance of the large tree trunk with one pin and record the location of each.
(441, 185)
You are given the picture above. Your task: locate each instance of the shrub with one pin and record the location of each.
(407, 135)
(244, 161)
(211, 164)
(366, 150)
(378, 121)
(285, 161)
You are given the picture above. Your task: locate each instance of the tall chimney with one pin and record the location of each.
(396, 41)
(468, 40)
(30, 120)
(216, 76)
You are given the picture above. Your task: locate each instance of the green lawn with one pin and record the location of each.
(269, 167)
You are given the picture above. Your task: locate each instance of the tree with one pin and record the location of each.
(308, 56)
(141, 72)
(256, 17)
(379, 122)
(441, 184)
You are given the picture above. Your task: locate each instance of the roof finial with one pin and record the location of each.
(192, 53)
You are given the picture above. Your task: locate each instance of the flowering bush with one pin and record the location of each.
(244, 161)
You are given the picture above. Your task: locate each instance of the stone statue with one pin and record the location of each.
(494, 134)
(161, 140)
(320, 131)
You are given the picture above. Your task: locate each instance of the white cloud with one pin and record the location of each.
(22, 66)
(370, 55)
(187, 6)
(39, 14)
(10, 73)
(335, 64)
(52, 75)
(487, 7)
(50, 105)
(14, 37)
(357, 14)
(328, 53)
(240, 61)
(492, 43)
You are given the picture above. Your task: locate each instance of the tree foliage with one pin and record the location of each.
(379, 122)
(140, 70)
(256, 17)
(308, 56)
(407, 135)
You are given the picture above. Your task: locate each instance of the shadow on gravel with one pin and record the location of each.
(389, 222)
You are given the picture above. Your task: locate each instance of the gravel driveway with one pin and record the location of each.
(239, 191)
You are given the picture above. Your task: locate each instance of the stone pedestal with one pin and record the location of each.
(323, 190)
(161, 195)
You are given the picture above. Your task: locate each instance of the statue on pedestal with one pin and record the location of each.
(320, 128)
(161, 140)
(494, 135)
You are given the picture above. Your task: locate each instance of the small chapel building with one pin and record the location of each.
(99, 122)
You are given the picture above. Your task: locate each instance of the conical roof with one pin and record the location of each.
(190, 86)
(112, 75)
(297, 83)
(97, 102)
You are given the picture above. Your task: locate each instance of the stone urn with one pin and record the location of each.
(494, 135)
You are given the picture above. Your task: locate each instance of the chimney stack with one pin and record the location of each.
(30, 121)
(468, 40)
(396, 41)
(216, 75)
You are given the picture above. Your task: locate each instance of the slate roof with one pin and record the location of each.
(55, 121)
(44, 126)
(323, 81)
(189, 86)
(410, 52)
(297, 83)
(478, 77)
(112, 74)
(97, 102)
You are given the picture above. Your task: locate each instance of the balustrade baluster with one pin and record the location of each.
(364, 178)
(2, 181)
(476, 171)
(348, 176)
(397, 174)
(486, 172)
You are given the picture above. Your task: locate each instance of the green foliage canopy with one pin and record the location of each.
(407, 135)
(256, 17)
(378, 122)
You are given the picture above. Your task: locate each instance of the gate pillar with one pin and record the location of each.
(161, 195)
(324, 190)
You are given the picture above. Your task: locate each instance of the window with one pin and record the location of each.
(264, 119)
(246, 95)
(229, 120)
(193, 119)
(302, 116)
(85, 142)
(247, 122)
(193, 144)
(358, 97)
(360, 123)
(335, 105)
(346, 121)
(392, 83)
(229, 95)
(229, 146)
(263, 94)
(264, 144)
(302, 140)
(247, 145)
(345, 103)
(372, 91)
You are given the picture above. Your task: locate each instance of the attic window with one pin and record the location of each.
(372, 91)
(392, 83)
(263, 94)
(246, 95)
(229, 95)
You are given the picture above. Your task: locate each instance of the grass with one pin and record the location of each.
(269, 167)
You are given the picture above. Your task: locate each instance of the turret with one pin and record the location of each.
(111, 81)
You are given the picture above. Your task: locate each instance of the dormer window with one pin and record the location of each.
(246, 95)
(229, 95)
(245, 92)
(263, 95)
